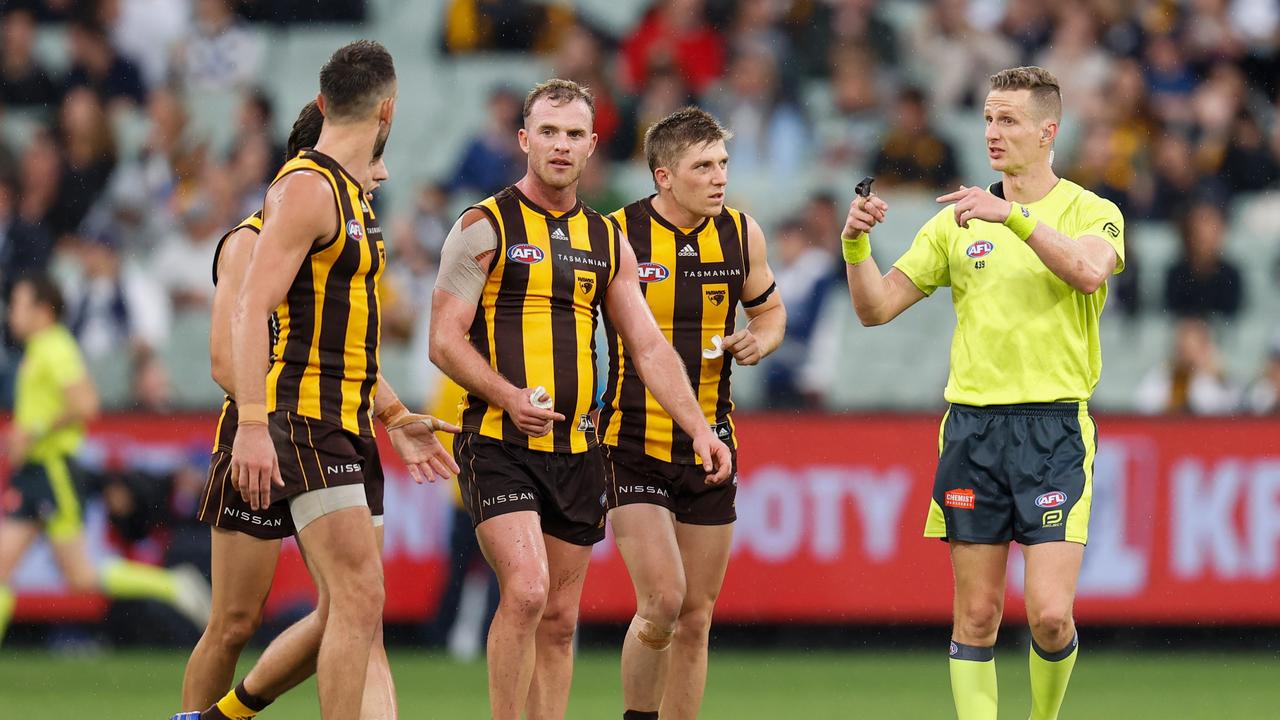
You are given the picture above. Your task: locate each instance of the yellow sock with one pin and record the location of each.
(126, 579)
(973, 681)
(1050, 673)
(239, 704)
(7, 601)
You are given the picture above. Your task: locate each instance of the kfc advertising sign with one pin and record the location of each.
(1185, 525)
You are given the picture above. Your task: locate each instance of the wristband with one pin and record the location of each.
(255, 414)
(393, 413)
(856, 249)
(1020, 221)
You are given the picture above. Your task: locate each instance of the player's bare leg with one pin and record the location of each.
(513, 544)
(553, 663)
(379, 688)
(343, 551)
(978, 606)
(243, 568)
(1051, 572)
(16, 537)
(704, 550)
(646, 538)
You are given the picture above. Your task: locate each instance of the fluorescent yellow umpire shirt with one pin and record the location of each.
(1023, 335)
(51, 364)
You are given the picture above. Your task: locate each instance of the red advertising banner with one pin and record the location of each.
(1185, 526)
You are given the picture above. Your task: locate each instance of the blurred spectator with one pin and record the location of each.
(115, 307)
(187, 255)
(756, 23)
(23, 81)
(1076, 60)
(506, 25)
(1028, 24)
(1175, 182)
(1193, 381)
(146, 31)
(40, 176)
(824, 221)
(429, 223)
(770, 138)
(801, 272)
(579, 58)
(1249, 162)
(598, 189)
(1170, 79)
(97, 66)
(1209, 32)
(1202, 281)
(25, 248)
(89, 157)
(150, 388)
(256, 122)
(493, 159)
(221, 54)
(665, 93)
(674, 33)
(959, 56)
(914, 155)
(1263, 395)
(819, 29)
(850, 130)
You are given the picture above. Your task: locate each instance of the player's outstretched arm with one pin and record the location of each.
(1084, 263)
(464, 265)
(299, 211)
(232, 264)
(766, 316)
(414, 436)
(659, 365)
(877, 298)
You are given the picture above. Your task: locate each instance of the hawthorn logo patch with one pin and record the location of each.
(586, 283)
(716, 296)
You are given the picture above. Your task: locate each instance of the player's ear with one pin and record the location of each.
(594, 139)
(320, 103)
(662, 178)
(523, 137)
(1048, 131)
(387, 110)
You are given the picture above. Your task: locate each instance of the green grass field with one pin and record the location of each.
(743, 686)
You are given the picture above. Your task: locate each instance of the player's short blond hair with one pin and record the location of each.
(559, 92)
(666, 140)
(1046, 95)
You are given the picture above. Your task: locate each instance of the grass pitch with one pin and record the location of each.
(743, 686)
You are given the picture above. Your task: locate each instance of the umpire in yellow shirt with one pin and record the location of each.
(1027, 261)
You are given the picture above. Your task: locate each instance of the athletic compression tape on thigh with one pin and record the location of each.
(650, 634)
(1020, 221)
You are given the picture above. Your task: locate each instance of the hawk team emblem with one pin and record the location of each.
(716, 297)
(586, 283)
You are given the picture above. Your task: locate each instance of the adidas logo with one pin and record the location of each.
(558, 234)
(688, 251)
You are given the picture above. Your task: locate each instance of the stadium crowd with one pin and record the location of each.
(1177, 116)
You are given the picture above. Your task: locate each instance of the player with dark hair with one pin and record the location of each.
(1028, 261)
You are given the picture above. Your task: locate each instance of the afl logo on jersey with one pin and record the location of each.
(653, 272)
(355, 229)
(1051, 499)
(981, 248)
(525, 254)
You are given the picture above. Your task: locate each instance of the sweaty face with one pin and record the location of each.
(699, 178)
(558, 140)
(1015, 133)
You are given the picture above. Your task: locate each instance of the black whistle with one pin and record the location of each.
(863, 189)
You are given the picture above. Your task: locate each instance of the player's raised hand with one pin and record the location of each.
(254, 465)
(532, 420)
(717, 460)
(744, 346)
(864, 214)
(976, 203)
(414, 438)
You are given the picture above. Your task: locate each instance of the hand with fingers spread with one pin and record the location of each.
(530, 419)
(977, 203)
(744, 346)
(864, 214)
(717, 460)
(254, 465)
(413, 436)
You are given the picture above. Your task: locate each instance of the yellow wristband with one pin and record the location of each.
(391, 414)
(252, 414)
(856, 249)
(1020, 221)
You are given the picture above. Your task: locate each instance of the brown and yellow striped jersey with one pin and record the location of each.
(325, 357)
(225, 433)
(536, 320)
(692, 280)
